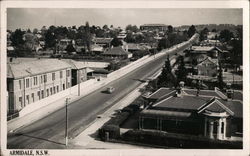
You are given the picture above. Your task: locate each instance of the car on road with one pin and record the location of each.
(110, 89)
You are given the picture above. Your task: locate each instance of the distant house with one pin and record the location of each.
(63, 43)
(96, 49)
(122, 35)
(103, 42)
(151, 27)
(211, 51)
(208, 67)
(117, 52)
(33, 80)
(204, 113)
(213, 35)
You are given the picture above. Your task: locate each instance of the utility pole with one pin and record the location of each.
(66, 124)
(79, 84)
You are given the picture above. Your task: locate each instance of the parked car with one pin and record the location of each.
(110, 90)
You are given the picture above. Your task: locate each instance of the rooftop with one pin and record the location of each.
(116, 51)
(211, 100)
(34, 67)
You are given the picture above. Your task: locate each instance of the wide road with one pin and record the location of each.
(49, 132)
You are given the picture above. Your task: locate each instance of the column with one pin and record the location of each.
(139, 122)
(211, 129)
(142, 120)
(205, 128)
(219, 129)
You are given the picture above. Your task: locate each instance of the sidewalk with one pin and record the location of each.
(88, 138)
(42, 112)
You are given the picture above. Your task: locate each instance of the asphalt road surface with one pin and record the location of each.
(49, 132)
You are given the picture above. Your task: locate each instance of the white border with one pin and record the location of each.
(132, 4)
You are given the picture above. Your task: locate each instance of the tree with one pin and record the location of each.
(191, 31)
(116, 42)
(70, 48)
(132, 28)
(50, 39)
(170, 29)
(87, 37)
(163, 44)
(220, 77)
(181, 72)
(203, 34)
(17, 37)
(166, 77)
(225, 35)
(31, 41)
(105, 27)
(35, 31)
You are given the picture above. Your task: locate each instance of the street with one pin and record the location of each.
(49, 132)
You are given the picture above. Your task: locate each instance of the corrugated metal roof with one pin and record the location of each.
(30, 68)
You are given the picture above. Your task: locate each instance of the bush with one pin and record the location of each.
(119, 119)
(177, 140)
(109, 132)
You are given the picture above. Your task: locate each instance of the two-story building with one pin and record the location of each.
(30, 81)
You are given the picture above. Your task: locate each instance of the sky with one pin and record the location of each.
(31, 18)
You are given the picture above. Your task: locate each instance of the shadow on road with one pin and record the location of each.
(142, 81)
(20, 134)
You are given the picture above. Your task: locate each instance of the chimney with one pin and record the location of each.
(180, 92)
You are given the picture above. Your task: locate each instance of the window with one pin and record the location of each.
(27, 83)
(35, 80)
(51, 91)
(45, 78)
(20, 84)
(42, 92)
(41, 79)
(21, 101)
(57, 88)
(68, 73)
(61, 74)
(53, 76)
(33, 97)
(28, 99)
(63, 86)
(47, 92)
(54, 90)
(38, 94)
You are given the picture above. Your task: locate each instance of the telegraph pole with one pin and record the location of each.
(66, 124)
(79, 84)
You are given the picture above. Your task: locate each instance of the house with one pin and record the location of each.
(63, 43)
(117, 52)
(211, 51)
(103, 42)
(30, 81)
(95, 48)
(151, 27)
(79, 71)
(203, 113)
(208, 67)
(213, 35)
(122, 35)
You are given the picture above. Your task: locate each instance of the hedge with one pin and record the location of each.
(178, 140)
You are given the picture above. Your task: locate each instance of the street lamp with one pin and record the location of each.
(66, 124)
